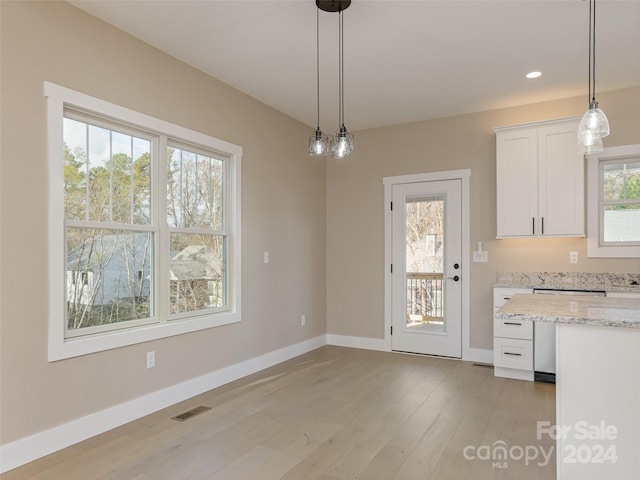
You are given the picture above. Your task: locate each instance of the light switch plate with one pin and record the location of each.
(151, 359)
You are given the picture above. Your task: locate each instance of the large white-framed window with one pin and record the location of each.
(614, 202)
(144, 227)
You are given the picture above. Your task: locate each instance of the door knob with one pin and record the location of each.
(456, 266)
(455, 278)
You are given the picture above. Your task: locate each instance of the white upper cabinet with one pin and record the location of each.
(540, 180)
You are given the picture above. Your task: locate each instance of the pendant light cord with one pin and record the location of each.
(341, 67)
(318, 61)
(590, 54)
(593, 47)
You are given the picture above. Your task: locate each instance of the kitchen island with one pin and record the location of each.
(597, 427)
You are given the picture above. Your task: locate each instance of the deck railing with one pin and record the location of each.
(424, 297)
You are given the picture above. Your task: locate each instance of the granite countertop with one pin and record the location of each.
(583, 287)
(609, 282)
(573, 309)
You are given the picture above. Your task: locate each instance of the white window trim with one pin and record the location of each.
(61, 348)
(594, 249)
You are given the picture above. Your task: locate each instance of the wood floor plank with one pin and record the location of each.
(332, 414)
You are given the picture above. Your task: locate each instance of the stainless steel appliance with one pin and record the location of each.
(544, 337)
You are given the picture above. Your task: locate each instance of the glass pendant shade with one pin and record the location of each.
(318, 144)
(590, 144)
(594, 147)
(594, 123)
(342, 143)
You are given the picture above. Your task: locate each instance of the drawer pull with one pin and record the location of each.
(513, 323)
(506, 298)
(513, 354)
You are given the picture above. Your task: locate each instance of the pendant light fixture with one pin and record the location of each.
(594, 124)
(318, 142)
(342, 141)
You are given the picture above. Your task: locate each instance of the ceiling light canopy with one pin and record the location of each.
(333, 5)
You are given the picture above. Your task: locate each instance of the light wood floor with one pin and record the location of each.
(332, 414)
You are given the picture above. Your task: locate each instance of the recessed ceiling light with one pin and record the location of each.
(533, 74)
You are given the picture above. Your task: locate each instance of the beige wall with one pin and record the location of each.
(355, 215)
(283, 212)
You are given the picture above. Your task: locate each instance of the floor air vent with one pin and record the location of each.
(190, 414)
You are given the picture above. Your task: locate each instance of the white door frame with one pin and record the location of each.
(462, 175)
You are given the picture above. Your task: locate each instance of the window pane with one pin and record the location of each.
(107, 175)
(75, 164)
(621, 181)
(194, 190)
(622, 223)
(197, 272)
(424, 244)
(424, 230)
(109, 276)
(99, 200)
(141, 181)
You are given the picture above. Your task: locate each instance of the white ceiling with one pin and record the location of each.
(405, 61)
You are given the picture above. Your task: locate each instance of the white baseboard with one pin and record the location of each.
(25, 450)
(469, 354)
(356, 342)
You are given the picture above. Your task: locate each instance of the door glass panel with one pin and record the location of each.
(424, 245)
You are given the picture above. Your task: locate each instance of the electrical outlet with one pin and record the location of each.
(573, 257)
(151, 359)
(303, 320)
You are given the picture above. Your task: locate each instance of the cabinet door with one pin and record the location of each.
(516, 169)
(513, 353)
(560, 181)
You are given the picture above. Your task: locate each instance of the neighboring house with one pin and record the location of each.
(195, 280)
(110, 268)
(116, 269)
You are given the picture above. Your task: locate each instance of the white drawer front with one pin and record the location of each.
(512, 328)
(502, 295)
(513, 353)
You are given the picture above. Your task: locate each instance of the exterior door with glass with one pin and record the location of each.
(427, 268)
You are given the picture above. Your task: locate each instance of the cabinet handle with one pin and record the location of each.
(533, 226)
(513, 323)
(506, 298)
(513, 354)
(542, 225)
